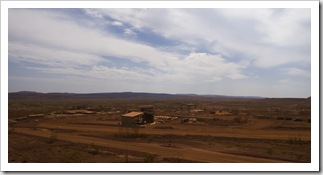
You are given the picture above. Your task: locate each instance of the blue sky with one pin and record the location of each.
(259, 52)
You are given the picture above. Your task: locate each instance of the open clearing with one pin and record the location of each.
(230, 131)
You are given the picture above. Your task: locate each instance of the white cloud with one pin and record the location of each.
(93, 13)
(201, 68)
(24, 52)
(266, 37)
(100, 73)
(129, 32)
(212, 45)
(116, 23)
(298, 72)
(290, 88)
(45, 29)
(63, 45)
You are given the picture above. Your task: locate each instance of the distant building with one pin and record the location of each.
(131, 118)
(132, 110)
(148, 113)
(78, 111)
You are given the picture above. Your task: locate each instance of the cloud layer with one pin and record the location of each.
(160, 50)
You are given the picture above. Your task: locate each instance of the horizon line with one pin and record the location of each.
(82, 93)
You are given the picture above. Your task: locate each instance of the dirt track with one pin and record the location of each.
(256, 129)
(219, 130)
(186, 152)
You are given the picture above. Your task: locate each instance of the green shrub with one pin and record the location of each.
(237, 119)
(52, 137)
(126, 158)
(270, 151)
(94, 149)
(149, 158)
(73, 157)
(294, 140)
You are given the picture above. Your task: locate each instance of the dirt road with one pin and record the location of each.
(186, 152)
(253, 132)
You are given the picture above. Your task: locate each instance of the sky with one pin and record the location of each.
(245, 52)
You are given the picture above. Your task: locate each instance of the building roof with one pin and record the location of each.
(132, 114)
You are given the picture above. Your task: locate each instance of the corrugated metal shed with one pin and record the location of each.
(131, 118)
(132, 114)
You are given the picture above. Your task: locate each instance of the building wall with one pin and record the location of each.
(128, 121)
(148, 116)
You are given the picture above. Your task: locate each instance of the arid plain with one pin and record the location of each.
(187, 128)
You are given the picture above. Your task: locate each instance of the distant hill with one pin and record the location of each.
(227, 96)
(29, 94)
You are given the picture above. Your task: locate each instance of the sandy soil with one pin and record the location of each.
(86, 139)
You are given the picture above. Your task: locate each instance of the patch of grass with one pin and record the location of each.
(150, 138)
(270, 151)
(128, 132)
(73, 157)
(237, 119)
(94, 149)
(52, 138)
(11, 131)
(163, 127)
(149, 158)
(126, 158)
(294, 140)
